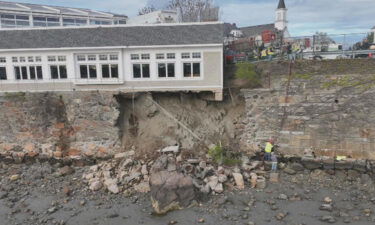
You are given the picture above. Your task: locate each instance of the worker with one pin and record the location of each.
(268, 149)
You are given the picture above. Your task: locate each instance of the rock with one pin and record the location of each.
(127, 163)
(297, 167)
(95, 185)
(66, 170)
(261, 182)
(326, 207)
(281, 216)
(290, 171)
(311, 163)
(171, 191)
(222, 178)
(66, 190)
(367, 212)
(238, 178)
(213, 183)
(14, 177)
(250, 223)
(143, 187)
(327, 200)
(274, 177)
(253, 179)
(201, 220)
(144, 170)
(283, 197)
(52, 210)
(328, 219)
(172, 222)
(360, 166)
(113, 215)
(82, 203)
(171, 149)
(203, 164)
(111, 185)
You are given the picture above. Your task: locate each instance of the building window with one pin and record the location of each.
(113, 57)
(196, 55)
(51, 58)
(88, 71)
(141, 70)
(3, 73)
(10, 20)
(91, 57)
(192, 69)
(103, 57)
(58, 72)
(28, 72)
(134, 56)
(110, 70)
(160, 56)
(171, 56)
(30, 59)
(22, 59)
(3, 60)
(145, 56)
(185, 55)
(42, 21)
(61, 58)
(100, 22)
(14, 59)
(166, 70)
(38, 59)
(74, 22)
(81, 58)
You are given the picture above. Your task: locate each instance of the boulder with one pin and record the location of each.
(297, 167)
(171, 191)
(143, 187)
(238, 178)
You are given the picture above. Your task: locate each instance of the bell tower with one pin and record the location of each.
(281, 22)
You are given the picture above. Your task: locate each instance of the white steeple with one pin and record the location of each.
(281, 22)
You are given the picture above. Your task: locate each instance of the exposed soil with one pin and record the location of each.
(43, 195)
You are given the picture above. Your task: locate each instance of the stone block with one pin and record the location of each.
(274, 177)
(311, 163)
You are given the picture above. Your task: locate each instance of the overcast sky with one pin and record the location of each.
(305, 16)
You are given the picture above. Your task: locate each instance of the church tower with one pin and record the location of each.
(281, 23)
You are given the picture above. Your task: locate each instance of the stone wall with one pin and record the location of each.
(76, 125)
(320, 109)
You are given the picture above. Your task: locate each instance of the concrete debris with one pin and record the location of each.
(238, 178)
(171, 149)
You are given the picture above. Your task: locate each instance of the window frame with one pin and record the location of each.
(141, 70)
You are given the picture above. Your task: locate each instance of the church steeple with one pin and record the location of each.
(281, 5)
(281, 22)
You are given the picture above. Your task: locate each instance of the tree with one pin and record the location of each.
(146, 10)
(195, 10)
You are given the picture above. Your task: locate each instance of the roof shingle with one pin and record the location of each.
(112, 36)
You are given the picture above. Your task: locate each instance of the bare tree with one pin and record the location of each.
(146, 10)
(195, 10)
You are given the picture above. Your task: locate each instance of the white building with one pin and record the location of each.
(18, 15)
(164, 57)
(162, 16)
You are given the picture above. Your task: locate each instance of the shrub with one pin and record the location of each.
(222, 157)
(247, 71)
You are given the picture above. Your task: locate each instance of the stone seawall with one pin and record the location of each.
(58, 125)
(330, 111)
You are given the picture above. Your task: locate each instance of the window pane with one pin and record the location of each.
(162, 70)
(40, 24)
(171, 56)
(91, 57)
(22, 23)
(105, 71)
(136, 70)
(18, 17)
(61, 58)
(81, 57)
(171, 70)
(30, 59)
(54, 72)
(63, 73)
(38, 59)
(22, 59)
(103, 57)
(51, 58)
(24, 72)
(196, 69)
(196, 55)
(3, 73)
(3, 60)
(32, 72)
(187, 69)
(185, 55)
(39, 72)
(145, 70)
(92, 69)
(114, 71)
(160, 56)
(17, 71)
(83, 71)
(53, 19)
(113, 57)
(134, 56)
(37, 18)
(145, 56)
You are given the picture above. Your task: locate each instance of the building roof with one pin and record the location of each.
(112, 36)
(256, 30)
(27, 7)
(228, 27)
(281, 5)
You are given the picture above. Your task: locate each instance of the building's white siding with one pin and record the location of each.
(164, 16)
(210, 70)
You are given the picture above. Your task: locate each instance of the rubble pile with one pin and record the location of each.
(125, 174)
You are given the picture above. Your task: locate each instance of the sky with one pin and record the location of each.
(305, 16)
